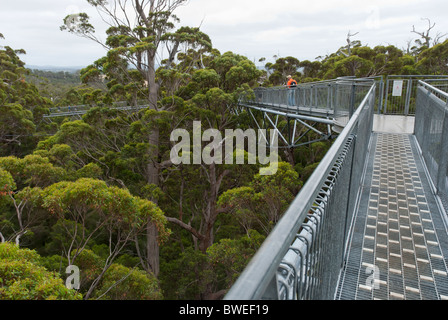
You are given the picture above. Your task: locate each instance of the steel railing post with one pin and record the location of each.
(386, 95)
(352, 100)
(381, 96)
(408, 97)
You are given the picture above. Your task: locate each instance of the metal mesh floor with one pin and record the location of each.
(399, 245)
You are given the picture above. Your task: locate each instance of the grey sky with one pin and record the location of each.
(304, 29)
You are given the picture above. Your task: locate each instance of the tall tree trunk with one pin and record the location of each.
(210, 211)
(152, 248)
(152, 245)
(289, 153)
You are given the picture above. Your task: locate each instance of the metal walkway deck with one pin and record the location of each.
(399, 244)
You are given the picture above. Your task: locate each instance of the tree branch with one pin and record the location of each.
(186, 227)
(19, 236)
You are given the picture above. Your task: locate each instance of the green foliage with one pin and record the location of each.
(90, 265)
(7, 183)
(22, 277)
(86, 196)
(91, 170)
(62, 88)
(261, 204)
(362, 61)
(122, 283)
(80, 25)
(282, 68)
(193, 275)
(229, 257)
(21, 103)
(434, 60)
(32, 170)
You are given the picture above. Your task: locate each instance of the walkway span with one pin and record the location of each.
(323, 107)
(77, 111)
(371, 221)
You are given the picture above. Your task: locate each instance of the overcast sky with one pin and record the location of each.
(304, 29)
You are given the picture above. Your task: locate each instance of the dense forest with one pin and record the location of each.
(100, 193)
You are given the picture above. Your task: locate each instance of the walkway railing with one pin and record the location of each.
(302, 257)
(79, 110)
(336, 99)
(431, 131)
(397, 93)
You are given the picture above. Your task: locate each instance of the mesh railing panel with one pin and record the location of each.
(431, 131)
(336, 98)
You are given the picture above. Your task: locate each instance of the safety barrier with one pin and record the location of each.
(431, 131)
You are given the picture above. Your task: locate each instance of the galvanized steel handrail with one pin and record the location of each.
(431, 131)
(301, 221)
(433, 88)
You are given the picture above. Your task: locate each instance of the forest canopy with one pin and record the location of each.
(100, 192)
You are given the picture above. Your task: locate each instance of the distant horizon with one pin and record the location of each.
(54, 68)
(71, 69)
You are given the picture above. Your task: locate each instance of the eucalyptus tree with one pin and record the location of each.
(88, 207)
(23, 277)
(281, 68)
(434, 60)
(139, 32)
(211, 96)
(21, 180)
(21, 104)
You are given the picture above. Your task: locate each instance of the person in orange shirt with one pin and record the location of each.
(291, 82)
(291, 85)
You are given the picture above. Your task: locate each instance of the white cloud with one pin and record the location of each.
(302, 28)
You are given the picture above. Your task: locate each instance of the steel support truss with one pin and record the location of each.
(292, 128)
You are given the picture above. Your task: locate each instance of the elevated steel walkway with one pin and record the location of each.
(399, 245)
(371, 221)
(323, 107)
(79, 110)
